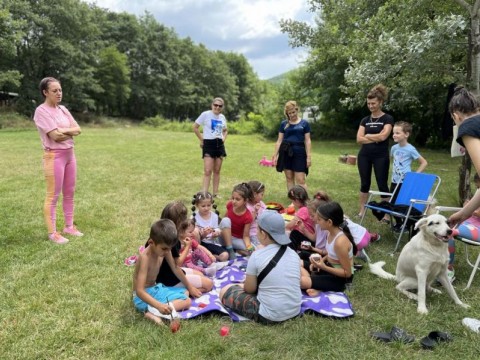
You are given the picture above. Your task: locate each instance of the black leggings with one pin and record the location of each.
(325, 281)
(380, 166)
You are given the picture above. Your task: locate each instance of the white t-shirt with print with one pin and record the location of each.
(212, 125)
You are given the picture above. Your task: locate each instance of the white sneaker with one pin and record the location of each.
(220, 265)
(211, 271)
(472, 324)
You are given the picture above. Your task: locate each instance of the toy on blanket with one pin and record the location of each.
(265, 162)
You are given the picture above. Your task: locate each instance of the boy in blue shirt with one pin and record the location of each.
(403, 154)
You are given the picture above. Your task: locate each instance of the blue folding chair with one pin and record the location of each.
(417, 192)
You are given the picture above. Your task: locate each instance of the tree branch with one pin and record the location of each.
(466, 5)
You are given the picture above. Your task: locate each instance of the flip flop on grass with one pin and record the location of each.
(434, 338)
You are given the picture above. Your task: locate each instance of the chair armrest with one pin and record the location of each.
(372, 192)
(426, 202)
(447, 208)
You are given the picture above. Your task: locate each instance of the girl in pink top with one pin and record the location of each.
(57, 127)
(301, 224)
(256, 207)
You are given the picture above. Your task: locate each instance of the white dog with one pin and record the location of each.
(423, 259)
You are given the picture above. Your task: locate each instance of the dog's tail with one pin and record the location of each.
(377, 269)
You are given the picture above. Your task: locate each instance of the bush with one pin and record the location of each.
(13, 120)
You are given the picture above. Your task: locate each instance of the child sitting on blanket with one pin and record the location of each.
(149, 296)
(206, 222)
(278, 297)
(177, 212)
(192, 254)
(302, 226)
(235, 226)
(256, 207)
(334, 270)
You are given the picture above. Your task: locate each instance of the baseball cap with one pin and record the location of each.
(274, 224)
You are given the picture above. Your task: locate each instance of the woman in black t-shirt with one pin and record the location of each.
(465, 110)
(373, 134)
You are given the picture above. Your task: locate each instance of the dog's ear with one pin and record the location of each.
(421, 222)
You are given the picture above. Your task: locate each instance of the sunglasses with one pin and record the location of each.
(218, 105)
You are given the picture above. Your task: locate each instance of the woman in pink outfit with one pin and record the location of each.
(57, 127)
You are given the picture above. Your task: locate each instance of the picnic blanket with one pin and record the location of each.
(329, 304)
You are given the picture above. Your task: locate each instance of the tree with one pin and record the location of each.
(411, 46)
(58, 39)
(245, 80)
(473, 79)
(113, 75)
(9, 35)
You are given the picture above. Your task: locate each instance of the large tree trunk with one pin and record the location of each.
(473, 82)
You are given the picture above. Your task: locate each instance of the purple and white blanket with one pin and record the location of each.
(330, 304)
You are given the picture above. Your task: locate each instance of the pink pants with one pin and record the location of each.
(60, 168)
(197, 256)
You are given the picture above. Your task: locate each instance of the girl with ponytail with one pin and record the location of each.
(333, 270)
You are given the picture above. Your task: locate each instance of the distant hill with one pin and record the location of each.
(279, 78)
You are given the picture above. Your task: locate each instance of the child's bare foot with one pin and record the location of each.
(155, 319)
(313, 292)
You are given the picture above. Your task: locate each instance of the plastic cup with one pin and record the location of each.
(224, 330)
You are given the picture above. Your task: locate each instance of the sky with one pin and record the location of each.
(248, 27)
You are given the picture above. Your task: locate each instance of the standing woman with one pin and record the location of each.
(373, 135)
(292, 153)
(57, 127)
(212, 142)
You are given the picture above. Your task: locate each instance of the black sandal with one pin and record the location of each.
(434, 338)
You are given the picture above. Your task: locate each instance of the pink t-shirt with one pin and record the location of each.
(303, 215)
(251, 207)
(49, 118)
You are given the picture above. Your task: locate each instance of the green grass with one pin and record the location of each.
(74, 301)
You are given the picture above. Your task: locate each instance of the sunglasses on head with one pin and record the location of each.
(218, 105)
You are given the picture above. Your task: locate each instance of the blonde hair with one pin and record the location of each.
(289, 106)
(219, 99)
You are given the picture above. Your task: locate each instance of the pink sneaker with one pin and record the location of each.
(57, 238)
(72, 231)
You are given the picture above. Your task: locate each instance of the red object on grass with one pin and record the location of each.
(224, 331)
(175, 326)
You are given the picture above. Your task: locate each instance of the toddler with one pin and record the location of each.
(206, 222)
(193, 255)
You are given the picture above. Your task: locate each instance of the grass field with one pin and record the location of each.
(74, 301)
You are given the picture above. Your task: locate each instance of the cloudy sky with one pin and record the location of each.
(249, 27)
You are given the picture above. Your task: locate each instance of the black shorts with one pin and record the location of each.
(296, 163)
(213, 248)
(213, 148)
